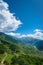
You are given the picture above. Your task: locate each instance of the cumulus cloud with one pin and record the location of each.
(38, 34)
(8, 22)
(38, 30)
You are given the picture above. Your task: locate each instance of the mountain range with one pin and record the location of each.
(20, 51)
(24, 40)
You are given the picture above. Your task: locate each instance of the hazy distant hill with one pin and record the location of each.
(32, 41)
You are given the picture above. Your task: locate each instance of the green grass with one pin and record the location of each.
(1, 56)
(9, 57)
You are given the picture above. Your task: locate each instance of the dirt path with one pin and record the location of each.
(2, 62)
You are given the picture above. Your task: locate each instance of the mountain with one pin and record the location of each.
(39, 45)
(33, 42)
(10, 41)
(24, 40)
(12, 52)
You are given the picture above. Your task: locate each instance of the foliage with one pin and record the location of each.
(18, 54)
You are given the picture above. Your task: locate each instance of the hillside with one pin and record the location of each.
(14, 53)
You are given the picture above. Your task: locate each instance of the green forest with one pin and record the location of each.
(13, 53)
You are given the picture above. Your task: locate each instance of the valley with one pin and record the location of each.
(16, 53)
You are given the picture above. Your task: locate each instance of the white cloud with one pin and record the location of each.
(38, 30)
(8, 22)
(14, 34)
(38, 34)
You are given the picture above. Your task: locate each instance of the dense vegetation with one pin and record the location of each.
(15, 53)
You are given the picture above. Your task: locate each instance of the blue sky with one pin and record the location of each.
(29, 12)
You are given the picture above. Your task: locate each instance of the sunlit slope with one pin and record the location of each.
(14, 53)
